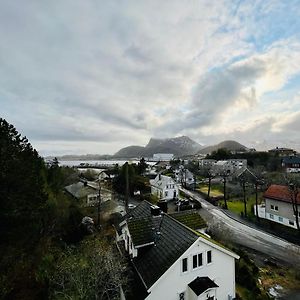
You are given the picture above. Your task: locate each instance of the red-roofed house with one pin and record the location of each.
(278, 205)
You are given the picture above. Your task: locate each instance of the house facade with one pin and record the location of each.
(164, 187)
(173, 261)
(184, 176)
(84, 192)
(291, 164)
(278, 206)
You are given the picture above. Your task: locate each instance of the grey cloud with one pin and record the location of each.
(215, 93)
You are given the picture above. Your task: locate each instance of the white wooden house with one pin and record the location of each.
(277, 206)
(172, 261)
(164, 187)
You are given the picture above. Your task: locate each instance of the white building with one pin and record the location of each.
(278, 206)
(163, 156)
(174, 262)
(184, 176)
(164, 187)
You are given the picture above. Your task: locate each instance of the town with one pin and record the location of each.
(149, 150)
(224, 225)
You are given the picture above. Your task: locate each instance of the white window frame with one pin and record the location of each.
(292, 223)
(272, 216)
(210, 257)
(187, 265)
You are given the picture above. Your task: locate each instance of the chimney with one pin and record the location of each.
(163, 205)
(155, 210)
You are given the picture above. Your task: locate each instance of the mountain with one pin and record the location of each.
(178, 146)
(229, 145)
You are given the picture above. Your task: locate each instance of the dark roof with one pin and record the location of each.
(280, 193)
(171, 240)
(291, 160)
(190, 219)
(201, 284)
(141, 231)
(80, 190)
(143, 210)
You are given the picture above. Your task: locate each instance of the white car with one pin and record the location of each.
(131, 206)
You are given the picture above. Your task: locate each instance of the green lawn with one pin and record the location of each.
(213, 191)
(237, 205)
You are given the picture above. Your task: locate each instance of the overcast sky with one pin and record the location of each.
(93, 76)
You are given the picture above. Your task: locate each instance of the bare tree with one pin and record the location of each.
(94, 271)
(225, 174)
(294, 189)
(209, 175)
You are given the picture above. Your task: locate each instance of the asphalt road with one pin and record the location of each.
(239, 233)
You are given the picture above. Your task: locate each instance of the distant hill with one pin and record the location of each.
(69, 157)
(178, 146)
(229, 145)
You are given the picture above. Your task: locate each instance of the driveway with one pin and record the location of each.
(239, 233)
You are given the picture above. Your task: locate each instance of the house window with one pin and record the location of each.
(195, 263)
(181, 296)
(272, 207)
(184, 265)
(291, 222)
(276, 208)
(280, 219)
(271, 216)
(166, 193)
(209, 257)
(200, 260)
(197, 260)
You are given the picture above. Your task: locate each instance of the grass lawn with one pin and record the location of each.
(237, 205)
(214, 192)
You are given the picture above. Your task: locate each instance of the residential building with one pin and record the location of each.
(281, 151)
(172, 261)
(164, 187)
(163, 156)
(291, 164)
(184, 176)
(85, 193)
(229, 166)
(103, 176)
(278, 206)
(207, 163)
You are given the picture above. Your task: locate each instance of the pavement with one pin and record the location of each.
(236, 230)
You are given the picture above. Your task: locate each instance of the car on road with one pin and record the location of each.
(131, 206)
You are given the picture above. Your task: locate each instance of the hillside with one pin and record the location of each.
(229, 145)
(178, 146)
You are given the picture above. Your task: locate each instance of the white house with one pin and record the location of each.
(103, 176)
(174, 262)
(164, 187)
(185, 176)
(278, 206)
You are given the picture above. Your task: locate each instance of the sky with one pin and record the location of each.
(94, 76)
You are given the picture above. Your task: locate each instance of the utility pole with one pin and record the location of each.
(127, 188)
(244, 196)
(99, 205)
